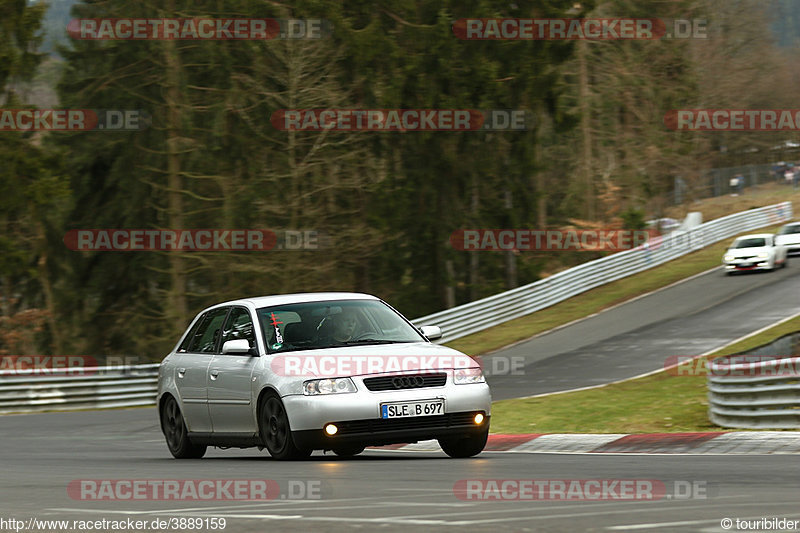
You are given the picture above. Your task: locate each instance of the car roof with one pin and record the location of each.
(302, 297)
(755, 236)
(791, 224)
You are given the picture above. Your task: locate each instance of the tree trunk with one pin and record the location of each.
(586, 133)
(176, 306)
(474, 257)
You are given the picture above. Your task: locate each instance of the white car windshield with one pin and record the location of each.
(755, 242)
(314, 325)
(788, 230)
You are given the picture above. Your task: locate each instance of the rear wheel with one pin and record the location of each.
(273, 425)
(174, 428)
(460, 447)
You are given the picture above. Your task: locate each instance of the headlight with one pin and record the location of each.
(328, 386)
(728, 258)
(463, 376)
(763, 255)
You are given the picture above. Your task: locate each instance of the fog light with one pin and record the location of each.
(478, 419)
(331, 429)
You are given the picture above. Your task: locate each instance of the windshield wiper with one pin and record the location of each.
(371, 341)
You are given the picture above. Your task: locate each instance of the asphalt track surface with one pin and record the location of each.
(396, 490)
(385, 491)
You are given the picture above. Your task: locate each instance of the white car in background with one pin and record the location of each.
(754, 252)
(789, 237)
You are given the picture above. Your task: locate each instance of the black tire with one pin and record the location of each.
(348, 451)
(464, 446)
(174, 428)
(273, 426)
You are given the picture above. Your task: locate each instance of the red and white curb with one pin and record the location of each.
(718, 442)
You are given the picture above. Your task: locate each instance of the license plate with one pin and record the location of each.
(745, 265)
(406, 409)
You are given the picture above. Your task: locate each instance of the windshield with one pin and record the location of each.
(311, 325)
(788, 230)
(749, 243)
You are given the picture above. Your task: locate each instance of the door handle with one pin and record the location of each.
(214, 373)
(181, 372)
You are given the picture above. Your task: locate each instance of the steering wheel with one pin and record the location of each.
(364, 335)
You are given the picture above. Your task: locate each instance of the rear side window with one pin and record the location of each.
(185, 344)
(206, 335)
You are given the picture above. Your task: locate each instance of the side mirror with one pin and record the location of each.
(431, 332)
(236, 346)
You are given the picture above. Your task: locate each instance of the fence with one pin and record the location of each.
(79, 388)
(763, 394)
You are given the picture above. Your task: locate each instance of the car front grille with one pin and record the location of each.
(380, 425)
(405, 381)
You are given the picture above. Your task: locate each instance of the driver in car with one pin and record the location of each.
(344, 328)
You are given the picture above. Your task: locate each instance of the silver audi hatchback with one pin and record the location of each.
(319, 371)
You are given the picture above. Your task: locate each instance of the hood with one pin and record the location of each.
(352, 361)
(748, 252)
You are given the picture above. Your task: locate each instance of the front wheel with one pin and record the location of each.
(273, 425)
(460, 447)
(174, 428)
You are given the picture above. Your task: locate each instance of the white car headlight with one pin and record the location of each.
(464, 376)
(763, 255)
(728, 258)
(328, 386)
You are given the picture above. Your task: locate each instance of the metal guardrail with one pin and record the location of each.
(137, 385)
(494, 310)
(763, 394)
(79, 388)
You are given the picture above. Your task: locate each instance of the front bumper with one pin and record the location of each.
(746, 266)
(358, 414)
(379, 432)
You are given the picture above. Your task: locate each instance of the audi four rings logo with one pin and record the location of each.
(408, 382)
